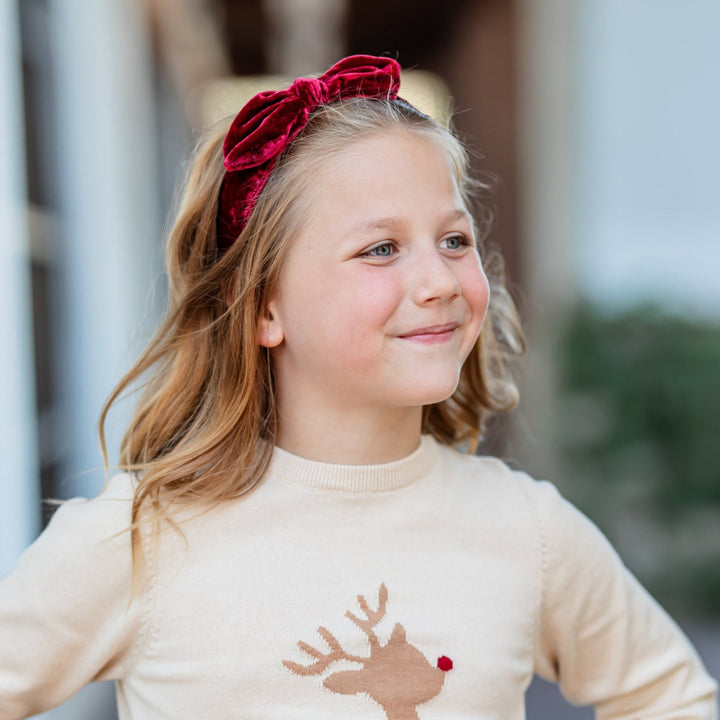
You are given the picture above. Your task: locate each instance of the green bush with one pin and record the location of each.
(640, 423)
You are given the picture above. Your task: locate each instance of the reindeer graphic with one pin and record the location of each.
(397, 676)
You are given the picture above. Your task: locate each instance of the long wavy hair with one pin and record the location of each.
(204, 427)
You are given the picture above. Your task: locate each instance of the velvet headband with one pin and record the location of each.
(271, 120)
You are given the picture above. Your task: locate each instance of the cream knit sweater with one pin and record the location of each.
(432, 587)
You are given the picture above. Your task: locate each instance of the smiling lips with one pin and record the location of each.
(431, 335)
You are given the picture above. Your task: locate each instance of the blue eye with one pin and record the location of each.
(456, 242)
(383, 251)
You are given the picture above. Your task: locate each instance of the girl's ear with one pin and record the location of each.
(270, 332)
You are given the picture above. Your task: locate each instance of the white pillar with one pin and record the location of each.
(19, 482)
(110, 247)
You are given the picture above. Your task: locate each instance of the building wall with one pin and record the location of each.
(80, 250)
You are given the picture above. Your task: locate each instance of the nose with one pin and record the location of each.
(434, 279)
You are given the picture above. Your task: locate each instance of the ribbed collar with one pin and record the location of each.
(356, 478)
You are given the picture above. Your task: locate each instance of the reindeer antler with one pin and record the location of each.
(323, 659)
(373, 616)
(397, 676)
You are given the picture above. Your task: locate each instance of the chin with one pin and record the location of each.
(436, 394)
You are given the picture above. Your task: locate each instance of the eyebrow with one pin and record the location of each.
(392, 221)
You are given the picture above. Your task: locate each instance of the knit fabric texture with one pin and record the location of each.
(430, 588)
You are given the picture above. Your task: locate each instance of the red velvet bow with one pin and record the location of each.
(271, 120)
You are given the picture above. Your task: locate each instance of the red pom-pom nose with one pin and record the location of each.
(445, 663)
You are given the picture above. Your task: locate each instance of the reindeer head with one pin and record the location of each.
(396, 675)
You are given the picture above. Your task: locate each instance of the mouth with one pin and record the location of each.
(432, 334)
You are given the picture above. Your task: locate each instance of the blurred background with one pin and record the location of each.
(599, 118)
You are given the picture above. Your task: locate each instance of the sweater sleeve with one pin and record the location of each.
(66, 616)
(600, 634)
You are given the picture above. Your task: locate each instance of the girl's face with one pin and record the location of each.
(382, 295)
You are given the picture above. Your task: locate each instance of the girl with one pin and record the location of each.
(303, 542)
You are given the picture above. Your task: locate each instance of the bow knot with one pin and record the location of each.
(271, 120)
(312, 91)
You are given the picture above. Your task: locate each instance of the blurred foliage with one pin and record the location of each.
(658, 379)
(639, 434)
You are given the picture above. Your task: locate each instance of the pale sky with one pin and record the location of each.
(647, 152)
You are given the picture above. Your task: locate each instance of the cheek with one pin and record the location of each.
(477, 295)
(476, 291)
(369, 297)
(358, 319)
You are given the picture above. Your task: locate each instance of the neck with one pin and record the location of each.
(363, 438)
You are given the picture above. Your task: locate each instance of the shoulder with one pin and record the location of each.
(68, 605)
(118, 491)
(104, 515)
(481, 468)
(495, 481)
(486, 487)
(86, 536)
(82, 561)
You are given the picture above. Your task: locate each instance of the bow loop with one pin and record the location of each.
(311, 91)
(270, 121)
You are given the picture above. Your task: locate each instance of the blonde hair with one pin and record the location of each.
(205, 424)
